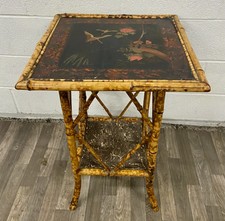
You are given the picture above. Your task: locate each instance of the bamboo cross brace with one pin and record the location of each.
(128, 156)
(103, 105)
(142, 111)
(129, 103)
(91, 150)
(85, 107)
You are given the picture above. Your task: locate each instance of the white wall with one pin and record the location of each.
(22, 23)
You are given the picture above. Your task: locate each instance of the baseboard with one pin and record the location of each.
(55, 117)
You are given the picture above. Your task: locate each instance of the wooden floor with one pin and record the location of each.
(36, 181)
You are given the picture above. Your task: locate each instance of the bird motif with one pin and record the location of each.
(106, 31)
(90, 37)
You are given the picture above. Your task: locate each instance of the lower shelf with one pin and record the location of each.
(112, 140)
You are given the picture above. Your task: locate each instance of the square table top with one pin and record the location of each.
(114, 52)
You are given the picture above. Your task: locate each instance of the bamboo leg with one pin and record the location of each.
(146, 103)
(70, 133)
(158, 107)
(82, 123)
(82, 101)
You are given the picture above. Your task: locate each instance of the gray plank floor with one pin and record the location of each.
(36, 182)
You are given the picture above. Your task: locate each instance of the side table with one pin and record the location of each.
(147, 54)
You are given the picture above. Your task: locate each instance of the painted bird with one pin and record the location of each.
(90, 37)
(104, 31)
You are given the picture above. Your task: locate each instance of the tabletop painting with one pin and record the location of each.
(111, 49)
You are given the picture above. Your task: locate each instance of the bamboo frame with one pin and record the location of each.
(150, 128)
(150, 135)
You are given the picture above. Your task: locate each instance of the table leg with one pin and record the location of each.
(70, 134)
(146, 103)
(82, 123)
(157, 113)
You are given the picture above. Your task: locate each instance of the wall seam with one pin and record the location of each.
(14, 100)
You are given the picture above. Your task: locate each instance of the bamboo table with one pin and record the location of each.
(147, 54)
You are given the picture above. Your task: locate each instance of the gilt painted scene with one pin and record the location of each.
(114, 49)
